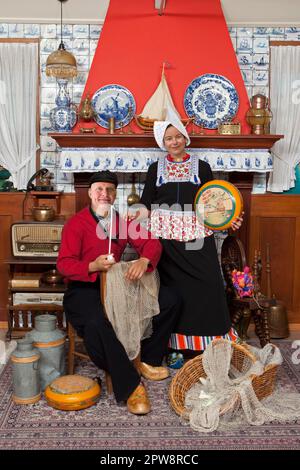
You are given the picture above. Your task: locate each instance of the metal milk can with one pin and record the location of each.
(50, 342)
(25, 363)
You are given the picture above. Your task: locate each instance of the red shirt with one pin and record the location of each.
(80, 245)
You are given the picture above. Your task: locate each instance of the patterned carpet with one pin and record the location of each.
(109, 426)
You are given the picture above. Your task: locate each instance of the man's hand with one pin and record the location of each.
(236, 223)
(137, 269)
(101, 264)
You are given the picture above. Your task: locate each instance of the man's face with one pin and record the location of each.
(102, 196)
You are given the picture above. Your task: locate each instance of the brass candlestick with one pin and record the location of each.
(111, 125)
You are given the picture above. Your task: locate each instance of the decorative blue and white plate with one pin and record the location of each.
(211, 99)
(113, 101)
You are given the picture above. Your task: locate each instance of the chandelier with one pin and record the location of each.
(61, 63)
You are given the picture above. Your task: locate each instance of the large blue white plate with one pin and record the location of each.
(113, 101)
(211, 99)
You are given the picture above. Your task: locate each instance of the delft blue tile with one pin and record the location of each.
(67, 31)
(45, 111)
(247, 77)
(16, 30)
(245, 32)
(292, 36)
(244, 44)
(48, 45)
(68, 43)
(244, 60)
(233, 40)
(260, 31)
(83, 63)
(46, 81)
(95, 31)
(261, 61)
(81, 78)
(48, 159)
(276, 31)
(262, 90)
(3, 30)
(48, 95)
(93, 46)
(47, 144)
(48, 31)
(81, 46)
(292, 30)
(45, 126)
(32, 30)
(261, 45)
(81, 30)
(232, 30)
(260, 77)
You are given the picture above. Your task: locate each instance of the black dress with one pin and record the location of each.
(194, 273)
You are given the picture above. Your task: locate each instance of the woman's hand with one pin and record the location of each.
(237, 222)
(137, 269)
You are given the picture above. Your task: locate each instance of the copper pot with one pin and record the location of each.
(43, 213)
(52, 277)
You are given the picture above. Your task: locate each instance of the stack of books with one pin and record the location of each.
(25, 281)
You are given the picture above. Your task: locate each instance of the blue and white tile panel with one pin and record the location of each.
(138, 160)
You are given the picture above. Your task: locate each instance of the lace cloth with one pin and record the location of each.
(226, 399)
(131, 305)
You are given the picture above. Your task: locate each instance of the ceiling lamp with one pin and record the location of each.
(61, 63)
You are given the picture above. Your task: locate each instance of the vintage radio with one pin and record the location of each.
(36, 238)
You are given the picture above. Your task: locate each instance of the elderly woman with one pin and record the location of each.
(191, 268)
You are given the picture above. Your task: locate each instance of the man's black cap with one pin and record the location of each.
(105, 176)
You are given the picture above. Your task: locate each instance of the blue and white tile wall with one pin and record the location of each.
(250, 43)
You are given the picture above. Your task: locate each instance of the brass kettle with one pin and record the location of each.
(43, 213)
(278, 321)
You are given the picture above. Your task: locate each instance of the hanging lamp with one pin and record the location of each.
(61, 63)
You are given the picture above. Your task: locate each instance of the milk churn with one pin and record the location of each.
(26, 383)
(50, 342)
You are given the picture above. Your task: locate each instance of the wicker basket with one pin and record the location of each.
(242, 359)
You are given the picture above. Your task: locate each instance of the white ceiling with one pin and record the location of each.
(237, 12)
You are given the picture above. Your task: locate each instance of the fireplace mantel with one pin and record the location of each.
(249, 141)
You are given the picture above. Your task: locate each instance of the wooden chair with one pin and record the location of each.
(74, 340)
(243, 309)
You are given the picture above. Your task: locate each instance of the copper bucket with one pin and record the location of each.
(278, 322)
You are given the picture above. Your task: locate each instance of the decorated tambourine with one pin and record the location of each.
(217, 204)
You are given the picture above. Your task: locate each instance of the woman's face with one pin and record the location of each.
(174, 142)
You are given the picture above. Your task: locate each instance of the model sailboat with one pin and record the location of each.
(158, 106)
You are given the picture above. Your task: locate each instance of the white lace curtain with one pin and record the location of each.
(18, 101)
(285, 105)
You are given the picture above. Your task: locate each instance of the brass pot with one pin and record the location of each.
(278, 321)
(43, 213)
(52, 277)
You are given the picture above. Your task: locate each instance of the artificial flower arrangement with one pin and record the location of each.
(243, 282)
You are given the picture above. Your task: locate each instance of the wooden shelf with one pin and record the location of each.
(42, 288)
(250, 141)
(28, 260)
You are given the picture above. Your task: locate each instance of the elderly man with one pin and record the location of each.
(84, 253)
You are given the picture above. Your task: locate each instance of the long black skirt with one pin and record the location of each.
(196, 276)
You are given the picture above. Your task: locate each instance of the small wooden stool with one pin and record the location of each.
(74, 338)
(72, 353)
